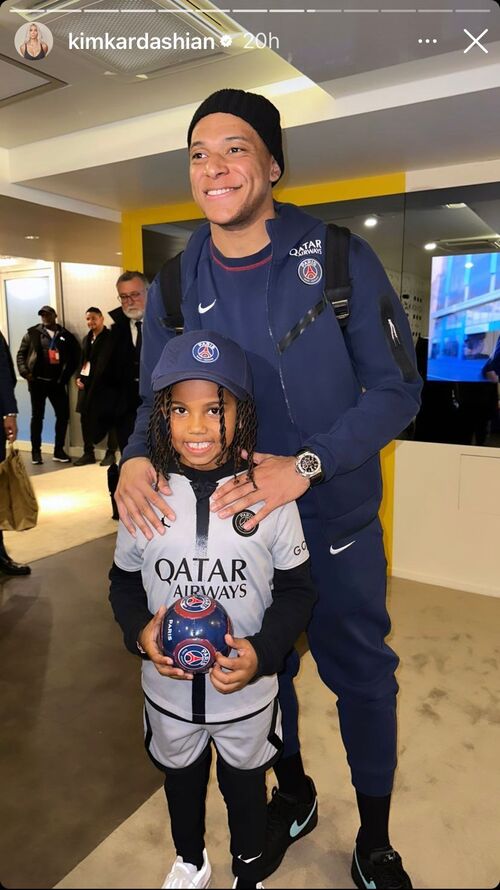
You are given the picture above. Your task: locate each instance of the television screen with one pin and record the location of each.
(464, 321)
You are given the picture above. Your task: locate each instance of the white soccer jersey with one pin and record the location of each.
(201, 553)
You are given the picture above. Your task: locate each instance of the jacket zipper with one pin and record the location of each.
(289, 410)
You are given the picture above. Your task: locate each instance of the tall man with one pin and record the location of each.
(47, 358)
(327, 402)
(126, 342)
(119, 382)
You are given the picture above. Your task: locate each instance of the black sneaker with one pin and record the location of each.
(61, 456)
(84, 460)
(36, 457)
(383, 868)
(287, 821)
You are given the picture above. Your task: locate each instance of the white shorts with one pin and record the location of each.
(249, 743)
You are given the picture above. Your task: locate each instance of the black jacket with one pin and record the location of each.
(113, 388)
(30, 351)
(98, 354)
(8, 404)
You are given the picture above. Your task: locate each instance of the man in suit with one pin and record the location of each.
(8, 433)
(120, 381)
(94, 396)
(126, 334)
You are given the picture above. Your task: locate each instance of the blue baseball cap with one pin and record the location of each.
(204, 355)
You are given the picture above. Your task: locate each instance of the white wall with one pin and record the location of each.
(447, 516)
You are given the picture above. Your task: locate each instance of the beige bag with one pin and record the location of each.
(18, 504)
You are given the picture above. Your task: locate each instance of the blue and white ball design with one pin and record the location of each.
(193, 632)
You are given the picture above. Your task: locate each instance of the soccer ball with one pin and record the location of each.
(192, 632)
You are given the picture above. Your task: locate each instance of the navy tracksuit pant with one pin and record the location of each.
(346, 637)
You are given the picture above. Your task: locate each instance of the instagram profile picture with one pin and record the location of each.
(33, 41)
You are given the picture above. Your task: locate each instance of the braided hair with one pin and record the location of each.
(161, 448)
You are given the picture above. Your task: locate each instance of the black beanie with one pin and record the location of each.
(256, 110)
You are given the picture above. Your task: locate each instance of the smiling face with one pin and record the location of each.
(95, 322)
(195, 422)
(231, 172)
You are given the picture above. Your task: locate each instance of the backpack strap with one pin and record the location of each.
(337, 280)
(171, 292)
(337, 290)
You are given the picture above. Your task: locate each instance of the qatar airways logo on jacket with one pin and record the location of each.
(307, 248)
(201, 575)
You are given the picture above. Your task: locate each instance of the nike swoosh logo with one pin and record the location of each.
(246, 861)
(340, 549)
(370, 885)
(296, 828)
(202, 309)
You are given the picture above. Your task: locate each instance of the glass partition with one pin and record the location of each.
(25, 293)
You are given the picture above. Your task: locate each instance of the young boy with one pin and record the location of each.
(203, 418)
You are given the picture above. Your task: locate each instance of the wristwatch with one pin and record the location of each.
(308, 465)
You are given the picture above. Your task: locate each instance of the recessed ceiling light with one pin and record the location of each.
(371, 222)
(32, 237)
(110, 73)
(118, 253)
(142, 76)
(431, 245)
(458, 206)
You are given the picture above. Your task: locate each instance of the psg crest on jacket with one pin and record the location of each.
(192, 632)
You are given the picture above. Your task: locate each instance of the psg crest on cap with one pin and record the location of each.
(192, 632)
(205, 351)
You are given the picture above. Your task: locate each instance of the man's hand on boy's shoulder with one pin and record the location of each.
(136, 496)
(232, 674)
(148, 641)
(276, 483)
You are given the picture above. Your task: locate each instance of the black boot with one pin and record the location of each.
(109, 459)
(7, 565)
(113, 476)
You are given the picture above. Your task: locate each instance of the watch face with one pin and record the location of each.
(309, 464)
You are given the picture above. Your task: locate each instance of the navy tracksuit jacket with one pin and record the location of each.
(346, 394)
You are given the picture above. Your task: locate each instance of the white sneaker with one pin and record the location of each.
(259, 885)
(184, 875)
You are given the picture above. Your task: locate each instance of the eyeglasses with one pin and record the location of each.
(126, 298)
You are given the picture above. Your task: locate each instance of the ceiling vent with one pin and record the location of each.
(482, 244)
(134, 37)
